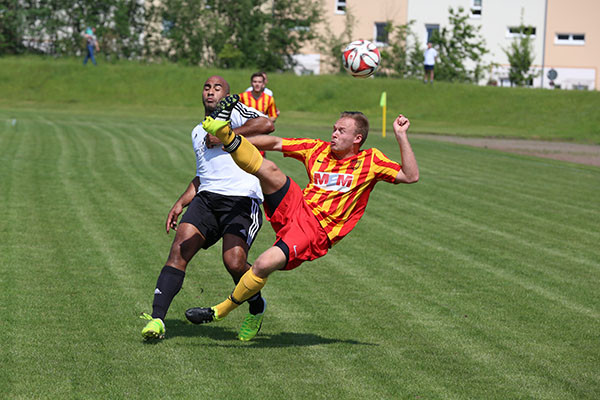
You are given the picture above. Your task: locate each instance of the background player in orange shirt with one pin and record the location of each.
(307, 223)
(258, 99)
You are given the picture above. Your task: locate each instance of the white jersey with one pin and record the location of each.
(430, 54)
(216, 169)
(267, 91)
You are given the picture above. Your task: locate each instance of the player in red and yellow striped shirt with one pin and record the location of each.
(258, 99)
(308, 222)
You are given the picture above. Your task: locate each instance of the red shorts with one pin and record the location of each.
(296, 225)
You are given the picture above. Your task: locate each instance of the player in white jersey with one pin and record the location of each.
(222, 202)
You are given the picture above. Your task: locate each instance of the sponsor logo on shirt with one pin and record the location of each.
(333, 182)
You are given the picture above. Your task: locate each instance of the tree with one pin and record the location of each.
(56, 26)
(403, 56)
(461, 49)
(521, 55)
(332, 46)
(11, 27)
(262, 34)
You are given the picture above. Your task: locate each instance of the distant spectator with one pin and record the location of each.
(91, 45)
(430, 55)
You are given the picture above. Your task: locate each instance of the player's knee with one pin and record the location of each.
(271, 177)
(182, 251)
(235, 261)
(268, 262)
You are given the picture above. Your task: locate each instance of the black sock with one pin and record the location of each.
(257, 305)
(167, 286)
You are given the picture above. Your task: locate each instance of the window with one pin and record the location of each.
(570, 38)
(431, 30)
(476, 8)
(167, 26)
(519, 31)
(340, 6)
(381, 33)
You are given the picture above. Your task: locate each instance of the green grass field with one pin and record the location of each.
(479, 282)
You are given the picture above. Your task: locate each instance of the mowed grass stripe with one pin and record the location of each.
(488, 304)
(416, 332)
(559, 266)
(505, 177)
(45, 297)
(13, 247)
(513, 221)
(566, 215)
(499, 262)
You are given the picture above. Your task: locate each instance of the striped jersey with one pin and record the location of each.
(338, 190)
(265, 103)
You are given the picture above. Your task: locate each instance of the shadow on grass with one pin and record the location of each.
(225, 337)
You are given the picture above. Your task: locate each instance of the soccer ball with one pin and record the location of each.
(361, 58)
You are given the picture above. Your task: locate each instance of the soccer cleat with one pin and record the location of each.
(201, 315)
(220, 118)
(251, 325)
(224, 108)
(154, 329)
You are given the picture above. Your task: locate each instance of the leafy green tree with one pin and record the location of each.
(262, 34)
(521, 55)
(460, 49)
(56, 26)
(11, 23)
(331, 45)
(403, 57)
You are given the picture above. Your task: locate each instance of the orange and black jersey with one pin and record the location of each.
(338, 190)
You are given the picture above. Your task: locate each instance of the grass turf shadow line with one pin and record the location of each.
(178, 328)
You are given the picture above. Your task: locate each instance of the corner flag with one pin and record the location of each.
(383, 105)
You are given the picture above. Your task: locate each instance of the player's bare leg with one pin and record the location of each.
(188, 241)
(235, 255)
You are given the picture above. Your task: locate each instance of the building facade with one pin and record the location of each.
(572, 48)
(565, 33)
(370, 18)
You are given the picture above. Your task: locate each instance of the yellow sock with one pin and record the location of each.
(247, 287)
(225, 134)
(246, 156)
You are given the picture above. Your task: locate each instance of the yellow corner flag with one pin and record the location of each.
(383, 105)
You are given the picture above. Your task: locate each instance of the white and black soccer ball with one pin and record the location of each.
(361, 58)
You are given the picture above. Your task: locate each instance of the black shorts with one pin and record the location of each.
(215, 215)
(428, 67)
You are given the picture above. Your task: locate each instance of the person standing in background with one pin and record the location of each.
(430, 55)
(91, 45)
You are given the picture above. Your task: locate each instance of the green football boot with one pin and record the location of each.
(154, 329)
(251, 325)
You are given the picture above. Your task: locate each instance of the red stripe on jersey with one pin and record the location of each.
(338, 190)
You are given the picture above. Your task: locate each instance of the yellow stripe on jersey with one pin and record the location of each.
(338, 190)
(265, 103)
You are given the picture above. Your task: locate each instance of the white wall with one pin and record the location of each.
(496, 17)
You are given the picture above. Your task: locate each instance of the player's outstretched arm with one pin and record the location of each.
(410, 170)
(183, 201)
(266, 143)
(256, 126)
